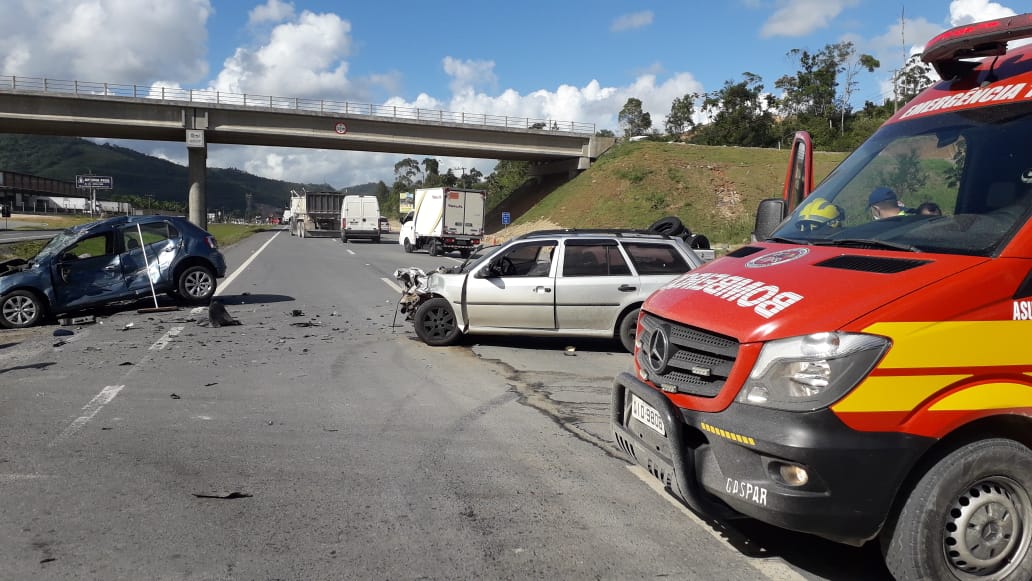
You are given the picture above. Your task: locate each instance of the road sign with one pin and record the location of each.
(92, 182)
(341, 128)
(506, 218)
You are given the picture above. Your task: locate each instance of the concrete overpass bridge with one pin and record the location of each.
(196, 118)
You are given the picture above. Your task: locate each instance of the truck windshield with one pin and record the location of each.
(955, 183)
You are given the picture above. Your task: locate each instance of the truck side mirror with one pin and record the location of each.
(769, 215)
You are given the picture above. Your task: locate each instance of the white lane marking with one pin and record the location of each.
(349, 251)
(230, 278)
(89, 410)
(16, 477)
(391, 284)
(769, 568)
(163, 342)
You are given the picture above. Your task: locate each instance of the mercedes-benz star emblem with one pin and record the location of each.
(658, 350)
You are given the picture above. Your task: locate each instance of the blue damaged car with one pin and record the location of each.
(119, 259)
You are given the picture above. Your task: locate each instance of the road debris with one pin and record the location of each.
(223, 495)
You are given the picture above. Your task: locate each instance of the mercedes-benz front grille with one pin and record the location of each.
(683, 359)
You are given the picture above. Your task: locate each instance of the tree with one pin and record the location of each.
(914, 77)
(388, 203)
(431, 172)
(681, 112)
(863, 62)
(740, 114)
(405, 172)
(907, 176)
(605, 133)
(633, 119)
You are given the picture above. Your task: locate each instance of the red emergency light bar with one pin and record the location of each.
(980, 39)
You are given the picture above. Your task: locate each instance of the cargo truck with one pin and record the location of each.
(315, 214)
(444, 220)
(861, 371)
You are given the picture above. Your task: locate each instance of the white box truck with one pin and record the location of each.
(360, 218)
(443, 220)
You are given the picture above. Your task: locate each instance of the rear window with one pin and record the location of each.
(655, 258)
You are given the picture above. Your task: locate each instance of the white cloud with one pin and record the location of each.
(801, 17)
(632, 21)
(271, 11)
(121, 41)
(968, 11)
(468, 75)
(306, 55)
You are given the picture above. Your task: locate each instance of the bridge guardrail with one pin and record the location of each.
(12, 83)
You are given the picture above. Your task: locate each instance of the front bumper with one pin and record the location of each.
(726, 464)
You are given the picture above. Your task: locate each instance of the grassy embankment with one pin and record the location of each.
(713, 190)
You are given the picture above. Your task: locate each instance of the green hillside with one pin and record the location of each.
(713, 190)
(134, 173)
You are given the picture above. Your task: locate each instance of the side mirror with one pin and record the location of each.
(769, 216)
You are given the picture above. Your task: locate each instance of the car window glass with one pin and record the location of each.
(90, 247)
(617, 264)
(527, 260)
(655, 258)
(585, 261)
(154, 232)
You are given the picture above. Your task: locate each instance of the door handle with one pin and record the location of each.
(542, 289)
(626, 288)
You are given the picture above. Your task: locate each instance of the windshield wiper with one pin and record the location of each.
(869, 243)
(783, 240)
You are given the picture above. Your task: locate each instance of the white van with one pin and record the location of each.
(360, 218)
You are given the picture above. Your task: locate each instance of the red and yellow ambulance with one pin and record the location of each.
(864, 369)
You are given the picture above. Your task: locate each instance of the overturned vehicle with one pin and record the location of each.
(119, 259)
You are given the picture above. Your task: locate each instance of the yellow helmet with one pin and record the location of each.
(819, 212)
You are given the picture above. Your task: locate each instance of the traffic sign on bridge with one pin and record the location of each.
(92, 182)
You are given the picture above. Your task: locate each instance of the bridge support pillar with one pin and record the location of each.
(198, 202)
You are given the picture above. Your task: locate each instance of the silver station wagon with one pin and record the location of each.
(575, 283)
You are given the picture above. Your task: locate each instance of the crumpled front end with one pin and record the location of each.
(415, 289)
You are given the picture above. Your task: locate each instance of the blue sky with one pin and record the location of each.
(571, 60)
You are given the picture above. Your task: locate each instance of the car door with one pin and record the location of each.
(595, 284)
(514, 289)
(656, 264)
(88, 272)
(150, 262)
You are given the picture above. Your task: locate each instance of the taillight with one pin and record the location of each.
(475, 241)
(211, 242)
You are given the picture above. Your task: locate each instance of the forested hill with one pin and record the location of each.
(137, 174)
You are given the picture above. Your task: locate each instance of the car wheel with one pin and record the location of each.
(628, 329)
(408, 246)
(435, 323)
(196, 284)
(671, 226)
(968, 517)
(20, 309)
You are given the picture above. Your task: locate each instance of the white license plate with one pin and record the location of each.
(647, 415)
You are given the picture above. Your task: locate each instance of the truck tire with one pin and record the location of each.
(408, 246)
(671, 226)
(627, 329)
(435, 248)
(435, 323)
(968, 517)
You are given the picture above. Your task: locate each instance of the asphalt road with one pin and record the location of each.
(321, 440)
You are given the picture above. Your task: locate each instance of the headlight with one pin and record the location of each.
(812, 371)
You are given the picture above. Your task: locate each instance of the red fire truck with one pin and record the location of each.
(863, 370)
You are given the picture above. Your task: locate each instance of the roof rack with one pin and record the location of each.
(619, 232)
(981, 39)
